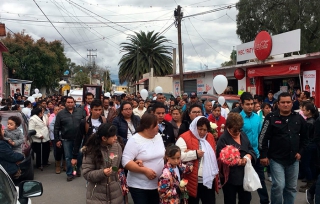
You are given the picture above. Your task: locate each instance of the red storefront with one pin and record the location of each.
(274, 75)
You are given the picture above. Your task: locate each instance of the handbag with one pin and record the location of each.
(251, 181)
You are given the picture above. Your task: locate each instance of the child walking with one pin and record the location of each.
(169, 188)
(13, 134)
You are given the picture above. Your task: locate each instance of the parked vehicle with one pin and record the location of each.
(230, 99)
(26, 166)
(10, 194)
(167, 95)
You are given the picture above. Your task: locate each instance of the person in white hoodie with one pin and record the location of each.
(39, 122)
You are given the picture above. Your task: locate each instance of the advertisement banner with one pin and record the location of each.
(281, 43)
(27, 89)
(13, 88)
(274, 71)
(309, 82)
(200, 86)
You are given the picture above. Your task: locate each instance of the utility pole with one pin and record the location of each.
(178, 16)
(137, 71)
(91, 61)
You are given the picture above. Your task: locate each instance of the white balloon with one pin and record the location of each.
(107, 94)
(221, 100)
(220, 83)
(158, 89)
(36, 91)
(31, 99)
(144, 94)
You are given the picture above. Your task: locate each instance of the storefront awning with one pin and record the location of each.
(274, 71)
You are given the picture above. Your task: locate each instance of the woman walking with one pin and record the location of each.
(40, 144)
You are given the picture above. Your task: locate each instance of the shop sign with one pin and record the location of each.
(263, 45)
(191, 76)
(274, 71)
(309, 82)
(282, 43)
(200, 86)
(215, 73)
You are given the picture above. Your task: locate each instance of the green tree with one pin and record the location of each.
(80, 78)
(39, 61)
(279, 16)
(232, 61)
(144, 50)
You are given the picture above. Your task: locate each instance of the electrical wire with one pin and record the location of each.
(59, 32)
(75, 4)
(192, 43)
(206, 41)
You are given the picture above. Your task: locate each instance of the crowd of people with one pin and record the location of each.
(152, 148)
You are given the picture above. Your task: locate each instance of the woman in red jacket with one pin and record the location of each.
(218, 119)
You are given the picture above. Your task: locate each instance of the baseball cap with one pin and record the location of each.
(193, 94)
(185, 94)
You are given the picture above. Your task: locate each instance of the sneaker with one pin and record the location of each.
(70, 178)
(270, 179)
(309, 197)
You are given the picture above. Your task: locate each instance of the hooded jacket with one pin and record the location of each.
(17, 137)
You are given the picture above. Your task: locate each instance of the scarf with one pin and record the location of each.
(210, 166)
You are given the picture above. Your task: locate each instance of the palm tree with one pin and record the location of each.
(142, 52)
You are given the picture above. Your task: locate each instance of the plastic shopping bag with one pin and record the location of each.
(251, 181)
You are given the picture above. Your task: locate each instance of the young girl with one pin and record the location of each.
(101, 160)
(169, 182)
(311, 113)
(13, 134)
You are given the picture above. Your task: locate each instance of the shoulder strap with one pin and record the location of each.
(86, 125)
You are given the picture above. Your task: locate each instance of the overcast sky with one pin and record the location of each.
(208, 39)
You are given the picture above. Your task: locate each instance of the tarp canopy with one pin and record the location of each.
(274, 71)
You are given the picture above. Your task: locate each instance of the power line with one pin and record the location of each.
(205, 40)
(192, 43)
(70, 22)
(59, 32)
(212, 11)
(102, 18)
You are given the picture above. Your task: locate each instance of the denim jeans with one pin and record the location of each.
(307, 158)
(263, 192)
(143, 196)
(68, 147)
(284, 182)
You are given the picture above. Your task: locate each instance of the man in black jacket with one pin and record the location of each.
(165, 128)
(285, 132)
(88, 126)
(66, 128)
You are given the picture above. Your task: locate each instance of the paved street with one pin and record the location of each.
(58, 190)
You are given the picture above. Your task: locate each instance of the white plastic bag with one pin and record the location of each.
(251, 181)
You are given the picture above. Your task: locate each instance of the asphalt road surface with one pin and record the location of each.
(57, 190)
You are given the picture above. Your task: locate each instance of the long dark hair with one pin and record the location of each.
(312, 108)
(93, 145)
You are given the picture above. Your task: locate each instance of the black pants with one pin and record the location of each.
(36, 147)
(142, 196)
(206, 195)
(230, 194)
(58, 153)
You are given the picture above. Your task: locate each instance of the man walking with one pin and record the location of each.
(67, 124)
(89, 98)
(284, 131)
(165, 128)
(88, 125)
(108, 111)
(252, 127)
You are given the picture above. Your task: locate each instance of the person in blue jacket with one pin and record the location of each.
(9, 159)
